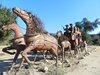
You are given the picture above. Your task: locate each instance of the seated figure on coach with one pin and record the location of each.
(66, 29)
(77, 34)
(71, 29)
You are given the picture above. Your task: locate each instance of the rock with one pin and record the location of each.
(44, 69)
(81, 57)
(65, 61)
(67, 65)
(76, 62)
(46, 61)
(26, 66)
(59, 63)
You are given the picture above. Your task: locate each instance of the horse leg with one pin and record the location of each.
(76, 46)
(70, 49)
(35, 52)
(20, 66)
(63, 55)
(85, 48)
(35, 57)
(44, 55)
(24, 53)
(8, 48)
(55, 53)
(15, 58)
(75, 51)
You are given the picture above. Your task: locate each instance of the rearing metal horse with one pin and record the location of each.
(18, 41)
(35, 38)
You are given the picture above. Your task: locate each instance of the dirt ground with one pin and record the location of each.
(90, 65)
(5, 60)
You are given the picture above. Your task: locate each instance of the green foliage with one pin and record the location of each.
(6, 16)
(96, 39)
(87, 26)
(88, 38)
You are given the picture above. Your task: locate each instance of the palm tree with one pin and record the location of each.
(87, 26)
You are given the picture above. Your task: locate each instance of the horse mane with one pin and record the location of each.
(37, 24)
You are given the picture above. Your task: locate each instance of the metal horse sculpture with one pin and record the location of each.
(35, 37)
(63, 41)
(18, 41)
(73, 39)
(81, 44)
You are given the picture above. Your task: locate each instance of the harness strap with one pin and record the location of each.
(18, 38)
(48, 41)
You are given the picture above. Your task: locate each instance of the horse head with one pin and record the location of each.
(59, 34)
(33, 23)
(24, 15)
(8, 26)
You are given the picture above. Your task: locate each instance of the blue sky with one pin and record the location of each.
(58, 13)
